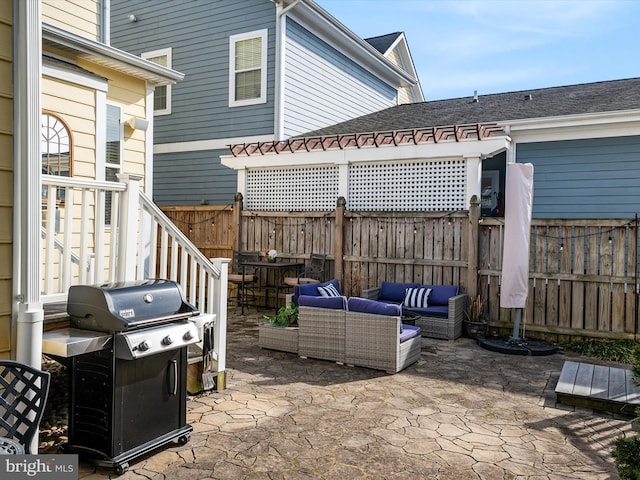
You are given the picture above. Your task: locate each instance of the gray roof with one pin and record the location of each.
(608, 96)
(383, 42)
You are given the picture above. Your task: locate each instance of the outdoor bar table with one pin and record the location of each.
(279, 267)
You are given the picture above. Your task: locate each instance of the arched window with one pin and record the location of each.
(56, 151)
(56, 146)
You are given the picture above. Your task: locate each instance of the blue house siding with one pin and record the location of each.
(593, 178)
(337, 87)
(198, 32)
(201, 177)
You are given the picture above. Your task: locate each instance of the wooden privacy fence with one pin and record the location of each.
(582, 279)
(209, 227)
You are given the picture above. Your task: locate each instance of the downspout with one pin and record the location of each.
(280, 67)
(27, 218)
(105, 22)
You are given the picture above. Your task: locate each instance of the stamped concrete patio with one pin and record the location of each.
(460, 413)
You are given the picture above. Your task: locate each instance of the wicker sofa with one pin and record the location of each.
(355, 331)
(442, 318)
(322, 327)
(358, 332)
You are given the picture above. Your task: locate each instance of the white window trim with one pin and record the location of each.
(163, 52)
(101, 160)
(101, 174)
(233, 39)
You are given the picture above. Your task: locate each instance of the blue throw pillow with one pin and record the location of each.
(334, 303)
(417, 297)
(312, 289)
(394, 292)
(328, 291)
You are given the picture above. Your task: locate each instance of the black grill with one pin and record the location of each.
(129, 398)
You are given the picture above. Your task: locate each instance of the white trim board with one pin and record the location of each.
(204, 145)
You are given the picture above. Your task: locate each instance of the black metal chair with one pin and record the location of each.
(246, 282)
(23, 396)
(313, 273)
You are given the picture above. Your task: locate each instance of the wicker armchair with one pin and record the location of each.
(321, 333)
(373, 341)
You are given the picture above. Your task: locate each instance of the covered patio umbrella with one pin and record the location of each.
(514, 288)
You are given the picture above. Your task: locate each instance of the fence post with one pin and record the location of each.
(237, 219)
(472, 264)
(338, 245)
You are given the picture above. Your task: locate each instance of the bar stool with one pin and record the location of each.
(312, 274)
(245, 279)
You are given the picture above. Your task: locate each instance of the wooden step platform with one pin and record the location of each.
(598, 387)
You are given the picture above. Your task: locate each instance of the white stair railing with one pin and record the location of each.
(110, 231)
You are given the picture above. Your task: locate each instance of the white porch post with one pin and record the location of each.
(127, 228)
(220, 328)
(27, 214)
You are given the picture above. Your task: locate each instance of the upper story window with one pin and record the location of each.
(248, 68)
(162, 94)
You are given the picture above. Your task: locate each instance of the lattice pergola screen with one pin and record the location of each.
(408, 186)
(292, 189)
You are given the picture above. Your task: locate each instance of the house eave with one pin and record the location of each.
(108, 56)
(340, 37)
(580, 120)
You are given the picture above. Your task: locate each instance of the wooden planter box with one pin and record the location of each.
(278, 338)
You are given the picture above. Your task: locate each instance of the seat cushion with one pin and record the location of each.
(395, 292)
(294, 281)
(409, 331)
(237, 278)
(430, 311)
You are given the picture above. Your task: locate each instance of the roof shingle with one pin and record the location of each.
(607, 96)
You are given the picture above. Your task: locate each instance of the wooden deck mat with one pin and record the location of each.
(599, 387)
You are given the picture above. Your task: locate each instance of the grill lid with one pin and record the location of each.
(121, 306)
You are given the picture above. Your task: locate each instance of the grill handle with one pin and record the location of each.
(147, 322)
(172, 373)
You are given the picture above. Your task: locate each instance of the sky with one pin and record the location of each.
(496, 46)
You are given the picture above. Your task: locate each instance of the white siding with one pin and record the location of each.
(323, 87)
(81, 17)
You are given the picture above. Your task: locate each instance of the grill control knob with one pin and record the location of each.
(167, 340)
(143, 346)
(187, 336)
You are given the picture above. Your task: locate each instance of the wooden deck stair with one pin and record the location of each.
(598, 387)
